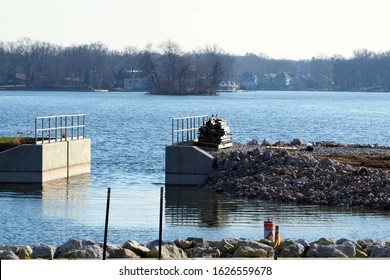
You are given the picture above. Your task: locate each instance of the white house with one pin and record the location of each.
(136, 81)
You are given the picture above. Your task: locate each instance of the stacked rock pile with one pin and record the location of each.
(252, 171)
(215, 134)
(201, 248)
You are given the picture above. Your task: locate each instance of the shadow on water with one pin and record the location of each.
(58, 188)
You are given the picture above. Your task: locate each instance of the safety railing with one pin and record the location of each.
(59, 128)
(185, 129)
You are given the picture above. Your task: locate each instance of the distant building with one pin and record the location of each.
(228, 86)
(298, 82)
(282, 81)
(136, 81)
(267, 81)
(248, 81)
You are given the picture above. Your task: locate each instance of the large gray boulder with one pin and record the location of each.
(249, 252)
(167, 252)
(380, 252)
(227, 246)
(348, 249)
(88, 252)
(184, 244)
(134, 246)
(324, 251)
(71, 244)
(325, 241)
(23, 252)
(256, 246)
(292, 251)
(8, 255)
(199, 252)
(43, 251)
(199, 242)
(369, 241)
(123, 253)
(11, 248)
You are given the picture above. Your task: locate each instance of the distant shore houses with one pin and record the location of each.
(228, 86)
(281, 81)
(136, 80)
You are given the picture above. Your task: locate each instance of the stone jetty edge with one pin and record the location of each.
(200, 248)
(301, 173)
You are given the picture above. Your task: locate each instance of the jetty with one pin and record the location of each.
(187, 160)
(60, 150)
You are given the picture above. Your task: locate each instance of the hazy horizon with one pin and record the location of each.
(280, 29)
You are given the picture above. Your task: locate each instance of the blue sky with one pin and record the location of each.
(277, 28)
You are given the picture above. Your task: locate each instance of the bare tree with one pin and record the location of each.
(149, 64)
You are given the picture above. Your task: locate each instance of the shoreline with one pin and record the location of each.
(192, 248)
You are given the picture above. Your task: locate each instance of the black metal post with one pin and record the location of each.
(161, 222)
(106, 224)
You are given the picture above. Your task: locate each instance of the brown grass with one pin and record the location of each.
(371, 161)
(11, 142)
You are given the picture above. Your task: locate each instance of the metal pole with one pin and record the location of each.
(78, 126)
(161, 221)
(36, 130)
(72, 126)
(56, 131)
(66, 128)
(173, 128)
(106, 224)
(49, 129)
(42, 129)
(83, 126)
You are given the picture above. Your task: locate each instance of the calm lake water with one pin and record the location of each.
(129, 132)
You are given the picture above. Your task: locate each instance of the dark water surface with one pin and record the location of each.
(129, 132)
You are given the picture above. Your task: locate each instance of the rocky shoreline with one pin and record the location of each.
(324, 173)
(201, 248)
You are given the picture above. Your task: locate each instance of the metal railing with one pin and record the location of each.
(59, 128)
(185, 129)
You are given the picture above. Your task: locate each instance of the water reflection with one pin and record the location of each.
(58, 198)
(218, 215)
(191, 206)
(73, 188)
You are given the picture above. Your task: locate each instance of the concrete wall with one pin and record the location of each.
(187, 165)
(43, 163)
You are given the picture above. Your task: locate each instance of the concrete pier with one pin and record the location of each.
(43, 163)
(187, 165)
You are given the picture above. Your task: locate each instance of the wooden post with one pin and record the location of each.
(106, 224)
(161, 220)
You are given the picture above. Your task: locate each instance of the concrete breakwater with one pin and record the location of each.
(201, 248)
(299, 176)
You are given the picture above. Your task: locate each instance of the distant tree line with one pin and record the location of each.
(42, 65)
(365, 71)
(170, 70)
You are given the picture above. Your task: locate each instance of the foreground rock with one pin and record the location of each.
(201, 248)
(298, 176)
